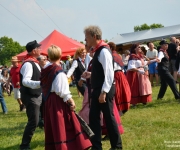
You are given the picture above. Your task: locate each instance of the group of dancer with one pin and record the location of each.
(107, 92)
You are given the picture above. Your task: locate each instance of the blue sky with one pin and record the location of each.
(27, 20)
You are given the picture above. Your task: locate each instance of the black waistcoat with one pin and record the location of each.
(97, 73)
(35, 77)
(164, 64)
(79, 70)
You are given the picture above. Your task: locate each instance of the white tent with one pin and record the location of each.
(147, 35)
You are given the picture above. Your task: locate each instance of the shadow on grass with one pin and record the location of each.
(156, 103)
(34, 145)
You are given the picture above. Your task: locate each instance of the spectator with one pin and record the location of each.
(172, 53)
(152, 54)
(42, 60)
(6, 87)
(125, 58)
(68, 62)
(2, 101)
(14, 78)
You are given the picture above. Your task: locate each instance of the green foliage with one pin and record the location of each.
(147, 27)
(106, 41)
(154, 126)
(9, 48)
(81, 42)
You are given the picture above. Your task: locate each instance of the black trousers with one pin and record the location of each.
(32, 110)
(81, 88)
(167, 79)
(94, 120)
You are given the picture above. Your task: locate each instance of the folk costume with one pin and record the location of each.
(165, 76)
(77, 68)
(139, 83)
(62, 128)
(123, 92)
(102, 80)
(30, 96)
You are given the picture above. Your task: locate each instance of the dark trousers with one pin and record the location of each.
(82, 88)
(167, 79)
(32, 110)
(94, 120)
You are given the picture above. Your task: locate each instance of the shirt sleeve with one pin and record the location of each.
(27, 72)
(61, 87)
(73, 67)
(160, 55)
(105, 58)
(87, 60)
(131, 64)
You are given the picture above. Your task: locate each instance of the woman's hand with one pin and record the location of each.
(71, 103)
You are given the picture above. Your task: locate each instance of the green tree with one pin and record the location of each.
(147, 27)
(9, 48)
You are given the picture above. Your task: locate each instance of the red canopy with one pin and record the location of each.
(67, 45)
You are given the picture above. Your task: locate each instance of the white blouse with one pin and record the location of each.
(60, 85)
(133, 64)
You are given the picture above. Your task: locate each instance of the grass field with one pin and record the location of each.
(155, 126)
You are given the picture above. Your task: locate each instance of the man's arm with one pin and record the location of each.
(27, 72)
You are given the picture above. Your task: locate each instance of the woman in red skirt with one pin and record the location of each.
(137, 77)
(123, 92)
(62, 129)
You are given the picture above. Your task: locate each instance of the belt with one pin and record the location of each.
(117, 70)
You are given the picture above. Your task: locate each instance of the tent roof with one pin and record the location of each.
(67, 45)
(151, 35)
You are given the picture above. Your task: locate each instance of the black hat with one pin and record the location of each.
(32, 45)
(163, 42)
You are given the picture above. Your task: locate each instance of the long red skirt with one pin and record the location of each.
(62, 128)
(123, 92)
(136, 88)
(118, 121)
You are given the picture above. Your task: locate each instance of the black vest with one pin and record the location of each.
(164, 64)
(97, 73)
(35, 77)
(79, 70)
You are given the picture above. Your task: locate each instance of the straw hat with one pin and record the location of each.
(14, 59)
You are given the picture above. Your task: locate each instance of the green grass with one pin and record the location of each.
(152, 127)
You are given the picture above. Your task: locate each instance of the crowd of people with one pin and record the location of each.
(108, 83)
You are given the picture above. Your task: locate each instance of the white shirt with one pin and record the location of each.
(105, 58)
(160, 55)
(27, 72)
(152, 54)
(117, 67)
(125, 59)
(133, 64)
(74, 66)
(60, 86)
(87, 60)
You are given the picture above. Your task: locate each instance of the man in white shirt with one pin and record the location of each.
(103, 89)
(30, 91)
(152, 54)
